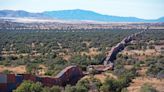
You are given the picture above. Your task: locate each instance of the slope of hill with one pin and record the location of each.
(20, 13)
(89, 15)
(75, 14)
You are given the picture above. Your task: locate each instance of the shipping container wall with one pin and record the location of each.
(11, 78)
(3, 87)
(3, 78)
(38, 79)
(19, 79)
(11, 86)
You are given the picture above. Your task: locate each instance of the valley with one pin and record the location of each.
(27, 49)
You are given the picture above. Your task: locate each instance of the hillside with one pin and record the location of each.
(75, 14)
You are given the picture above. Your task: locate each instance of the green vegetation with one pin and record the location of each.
(147, 40)
(118, 85)
(7, 72)
(34, 47)
(28, 86)
(155, 67)
(147, 88)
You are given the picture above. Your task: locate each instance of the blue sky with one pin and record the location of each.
(147, 9)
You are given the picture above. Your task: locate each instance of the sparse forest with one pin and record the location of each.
(49, 48)
(33, 47)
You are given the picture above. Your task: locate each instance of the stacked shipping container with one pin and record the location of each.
(3, 83)
(11, 82)
(109, 59)
(8, 82)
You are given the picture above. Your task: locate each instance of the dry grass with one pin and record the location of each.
(142, 79)
(159, 48)
(42, 69)
(22, 69)
(92, 52)
(128, 67)
(148, 52)
(87, 43)
(139, 81)
(19, 69)
(141, 54)
(65, 56)
(101, 76)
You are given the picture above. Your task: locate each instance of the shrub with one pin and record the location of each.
(147, 88)
(28, 86)
(55, 89)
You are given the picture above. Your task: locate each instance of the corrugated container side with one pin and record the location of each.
(3, 78)
(60, 74)
(67, 72)
(58, 82)
(38, 79)
(46, 81)
(32, 78)
(17, 85)
(51, 80)
(26, 76)
(3, 87)
(29, 77)
(67, 75)
(75, 72)
(63, 76)
(11, 86)
(11, 78)
(19, 79)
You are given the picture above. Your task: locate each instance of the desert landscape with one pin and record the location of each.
(81, 46)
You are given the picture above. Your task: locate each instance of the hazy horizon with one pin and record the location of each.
(145, 9)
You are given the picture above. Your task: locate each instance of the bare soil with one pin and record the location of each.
(92, 52)
(136, 84)
(139, 81)
(140, 54)
(18, 70)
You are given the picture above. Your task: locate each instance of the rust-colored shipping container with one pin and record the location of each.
(26, 76)
(11, 87)
(3, 78)
(57, 81)
(11, 78)
(18, 84)
(32, 78)
(3, 87)
(47, 81)
(19, 78)
(29, 77)
(38, 79)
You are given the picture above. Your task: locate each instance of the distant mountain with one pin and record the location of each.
(76, 14)
(89, 15)
(160, 19)
(20, 13)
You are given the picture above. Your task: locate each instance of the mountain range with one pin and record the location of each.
(76, 14)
